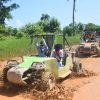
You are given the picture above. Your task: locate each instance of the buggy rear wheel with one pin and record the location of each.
(77, 54)
(3, 77)
(98, 52)
(48, 80)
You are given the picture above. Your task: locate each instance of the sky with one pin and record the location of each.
(30, 11)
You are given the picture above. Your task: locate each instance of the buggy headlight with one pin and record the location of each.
(93, 45)
(12, 62)
(38, 65)
(81, 45)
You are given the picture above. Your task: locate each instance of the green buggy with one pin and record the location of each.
(34, 68)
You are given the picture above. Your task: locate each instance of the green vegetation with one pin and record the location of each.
(5, 10)
(13, 47)
(74, 40)
(13, 41)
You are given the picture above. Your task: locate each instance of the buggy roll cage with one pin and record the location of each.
(88, 34)
(50, 39)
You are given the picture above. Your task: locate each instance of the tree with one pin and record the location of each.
(73, 16)
(31, 29)
(67, 30)
(5, 10)
(15, 31)
(80, 26)
(76, 29)
(74, 1)
(54, 25)
(9, 30)
(45, 17)
(49, 24)
(2, 30)
(44, 25)
(90, 26)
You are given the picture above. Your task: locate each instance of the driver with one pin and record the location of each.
(88, 37)
(58, 54)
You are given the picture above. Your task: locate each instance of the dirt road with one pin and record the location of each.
(90, 91)
(81, 88)
(87, 88)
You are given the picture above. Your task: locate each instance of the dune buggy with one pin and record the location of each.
(34, 68)
(89, 45)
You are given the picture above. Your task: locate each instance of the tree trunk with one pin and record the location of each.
(74, 17)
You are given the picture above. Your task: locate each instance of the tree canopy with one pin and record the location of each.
(5, 10)
(93, 27)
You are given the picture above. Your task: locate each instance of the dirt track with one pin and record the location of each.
(80, 88)
(90, 91)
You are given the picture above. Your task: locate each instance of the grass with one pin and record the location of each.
(12, 47)
(74, 39)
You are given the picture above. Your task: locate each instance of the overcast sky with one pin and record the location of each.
(87, 11)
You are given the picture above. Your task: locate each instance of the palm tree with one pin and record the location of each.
(73, 16)
(74, 1)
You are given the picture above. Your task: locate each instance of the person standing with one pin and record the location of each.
(42, 48)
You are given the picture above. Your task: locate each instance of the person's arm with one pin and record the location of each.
(61, 55)
(58, 58)
(44, 43)
(36, 42)
(53, 54)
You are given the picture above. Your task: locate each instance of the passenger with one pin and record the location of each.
(42, 48)
(58, 54)
(87, 38)
(93, 37)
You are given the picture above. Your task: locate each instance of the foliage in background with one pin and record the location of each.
(31, 29)
(93, 27)
(5, 10)
(15, 47)
(78, 28)
(15, 41)
(46, 24)
(11, 47)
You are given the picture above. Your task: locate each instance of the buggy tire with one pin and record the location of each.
(48, 79)
(77, 54)
(98, 52)
(3, 77)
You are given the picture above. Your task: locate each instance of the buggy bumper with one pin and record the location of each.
(88, 51)
(14, 75)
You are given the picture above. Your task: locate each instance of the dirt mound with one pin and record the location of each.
(39, 91)
(86, 73)
(57, 93)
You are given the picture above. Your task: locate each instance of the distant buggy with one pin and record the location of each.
(89, 45)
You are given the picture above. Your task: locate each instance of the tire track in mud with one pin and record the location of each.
(70, 85)
(91, 90)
